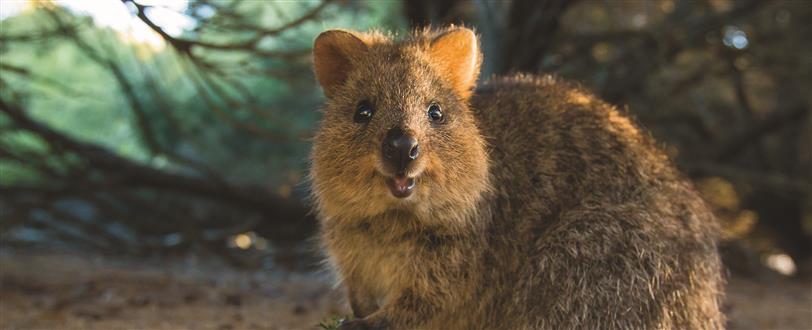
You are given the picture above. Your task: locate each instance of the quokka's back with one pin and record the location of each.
(527, 203)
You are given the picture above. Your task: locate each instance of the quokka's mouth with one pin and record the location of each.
(401, 186)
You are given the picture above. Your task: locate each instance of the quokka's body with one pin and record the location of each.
(524, 204)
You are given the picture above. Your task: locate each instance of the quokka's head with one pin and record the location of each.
(397, 133)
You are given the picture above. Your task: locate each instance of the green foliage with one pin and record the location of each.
(21, 145)
(70, 91)
(13, 173)
(333, 322)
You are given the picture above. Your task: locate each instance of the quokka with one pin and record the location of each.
(521, 203)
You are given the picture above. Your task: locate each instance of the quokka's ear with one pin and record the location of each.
(456, 55)
(332, 54)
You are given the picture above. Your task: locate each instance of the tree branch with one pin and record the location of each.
(290, 216)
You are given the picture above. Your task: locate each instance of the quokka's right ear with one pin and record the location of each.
(333, 52)
(457, 57)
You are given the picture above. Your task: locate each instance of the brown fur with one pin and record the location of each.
(537, 206)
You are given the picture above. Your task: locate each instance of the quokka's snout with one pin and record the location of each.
(399, 150)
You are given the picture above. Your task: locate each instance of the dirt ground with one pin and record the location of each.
(61, 291)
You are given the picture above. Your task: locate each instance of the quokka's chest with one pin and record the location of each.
(383, 266)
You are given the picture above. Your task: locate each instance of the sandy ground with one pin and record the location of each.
(53, 291)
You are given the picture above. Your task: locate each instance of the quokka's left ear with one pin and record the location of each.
(333, 54)
(455, 54)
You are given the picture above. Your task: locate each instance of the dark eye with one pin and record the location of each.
(435, 114)
(363, 113)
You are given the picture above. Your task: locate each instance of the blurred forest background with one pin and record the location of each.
(154, 128)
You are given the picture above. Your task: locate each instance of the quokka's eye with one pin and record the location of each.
(363, 113)
(435, 114)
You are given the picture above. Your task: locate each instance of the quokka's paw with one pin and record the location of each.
(357, 324)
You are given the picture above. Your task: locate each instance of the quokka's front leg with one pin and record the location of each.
(408, 311)
(362, 302)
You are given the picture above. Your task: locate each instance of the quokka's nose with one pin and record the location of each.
(399, 149)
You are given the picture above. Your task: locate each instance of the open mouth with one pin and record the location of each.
(401, 186)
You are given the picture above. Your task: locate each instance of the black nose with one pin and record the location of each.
(399, 149)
